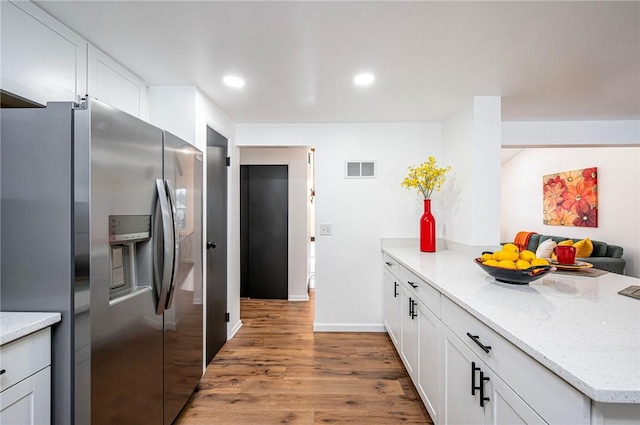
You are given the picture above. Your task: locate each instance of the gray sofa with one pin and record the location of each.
(604, 257)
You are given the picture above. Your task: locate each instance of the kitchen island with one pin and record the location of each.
(579, 328)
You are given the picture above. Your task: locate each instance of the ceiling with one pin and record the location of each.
(548, 60)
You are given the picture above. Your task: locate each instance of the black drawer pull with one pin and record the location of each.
(476, 339)
(388, 263)
(482, 397)
(413, 310)
(413, 285)
(2, 372)
(474, 369)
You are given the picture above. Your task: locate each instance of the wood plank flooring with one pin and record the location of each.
(277, 370)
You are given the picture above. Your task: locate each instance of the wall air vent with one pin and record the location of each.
(360, 169)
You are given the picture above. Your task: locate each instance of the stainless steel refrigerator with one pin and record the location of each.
(101, 220)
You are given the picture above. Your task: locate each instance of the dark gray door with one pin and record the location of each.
(216, 242)
(264, 217)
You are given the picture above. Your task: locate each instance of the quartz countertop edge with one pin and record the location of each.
(583, 369)
(15, 325)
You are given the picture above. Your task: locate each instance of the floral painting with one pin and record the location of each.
(571, 198)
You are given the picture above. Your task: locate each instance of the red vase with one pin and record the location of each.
(427, 229)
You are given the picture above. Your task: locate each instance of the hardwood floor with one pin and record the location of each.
(277, 370)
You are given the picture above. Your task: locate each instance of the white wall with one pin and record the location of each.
(173, 108)
(361, 211)
(471, 195)
(298, 248)
(618, 195)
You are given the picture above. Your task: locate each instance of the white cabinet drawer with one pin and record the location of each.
(423, 291)
(392, 265)
(523, 374)
(24, 357)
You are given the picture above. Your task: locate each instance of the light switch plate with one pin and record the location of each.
(325, 230)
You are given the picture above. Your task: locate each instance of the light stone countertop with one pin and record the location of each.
(578, 327)
(15, 325)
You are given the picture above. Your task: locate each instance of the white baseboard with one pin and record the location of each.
(349, 327)
(304, 297)
(235, 329)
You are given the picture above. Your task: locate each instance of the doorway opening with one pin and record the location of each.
(264, 231)
(300, 210)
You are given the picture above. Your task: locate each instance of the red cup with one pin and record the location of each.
(566, 254)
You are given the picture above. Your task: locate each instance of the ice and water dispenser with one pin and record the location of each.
(126, 234)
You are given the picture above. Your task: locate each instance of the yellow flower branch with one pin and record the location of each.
(426, 177)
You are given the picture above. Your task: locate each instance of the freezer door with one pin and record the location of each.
(183, 319)
(126, 331)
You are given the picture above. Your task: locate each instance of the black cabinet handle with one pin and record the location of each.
(388, 263)
(474, 369)
(211, 245)
(395, 287)
(414, 313)
(413, 285)
(3, 371)
(482, 381)
(476, 339)
(410, 307)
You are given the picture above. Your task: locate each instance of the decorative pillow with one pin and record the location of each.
(584, 248)
(545, 249)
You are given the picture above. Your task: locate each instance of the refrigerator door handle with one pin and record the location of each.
(167, 245)
(176, 250)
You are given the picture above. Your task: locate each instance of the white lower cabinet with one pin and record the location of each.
(29, 401)
(25, 381)
(391, 306)
(465, 372)
(409, 331)
(507, 407)
(475, 394)
(460, 402)
(428, 379)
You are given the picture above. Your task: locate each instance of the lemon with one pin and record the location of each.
(522, 264)
(527, 255)
(506, 255)
(539, 262)
(507, 264)
(492, 263)
(486, 256)
(510, 247)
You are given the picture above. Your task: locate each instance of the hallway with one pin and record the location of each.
(277, 370)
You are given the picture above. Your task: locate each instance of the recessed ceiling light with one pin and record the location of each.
(233, 81)
(364, 79)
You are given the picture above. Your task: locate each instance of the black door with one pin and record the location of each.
(264, 217)
(216, 242)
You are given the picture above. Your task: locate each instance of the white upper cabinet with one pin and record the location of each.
(42, 60)
(110, 82)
